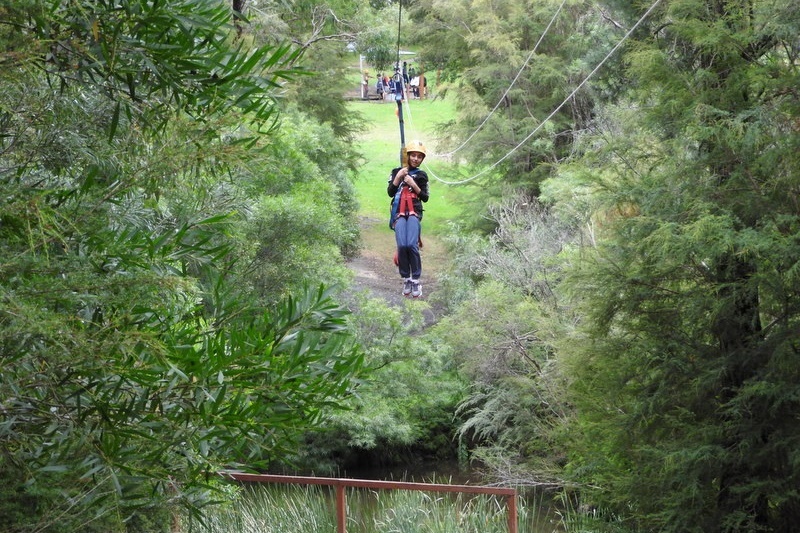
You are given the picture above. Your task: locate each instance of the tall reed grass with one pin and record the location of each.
(292, 509)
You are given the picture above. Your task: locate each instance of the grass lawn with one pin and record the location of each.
(380, 146)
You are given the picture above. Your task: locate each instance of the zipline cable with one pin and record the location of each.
(502, 98)
(556, 110)
(398, 96)
(399, 23)
(511, 85)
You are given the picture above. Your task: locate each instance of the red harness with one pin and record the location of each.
(407, 197)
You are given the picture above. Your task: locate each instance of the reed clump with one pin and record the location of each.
(311, 509)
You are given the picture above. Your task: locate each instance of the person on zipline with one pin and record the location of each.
(408, 187)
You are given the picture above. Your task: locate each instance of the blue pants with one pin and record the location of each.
(406, 233)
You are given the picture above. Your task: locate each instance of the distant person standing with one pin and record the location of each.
(365, 86)
(414, 85)
(387, 85)
(398, 86)
(379, 88)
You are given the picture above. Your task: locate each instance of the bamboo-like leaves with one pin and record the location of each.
(179, 53)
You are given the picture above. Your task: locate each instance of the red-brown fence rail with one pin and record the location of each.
(341, 484)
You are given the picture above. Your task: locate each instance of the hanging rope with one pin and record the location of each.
(556, 110)
(502, 98)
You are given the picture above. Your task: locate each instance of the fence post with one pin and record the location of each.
(512, 513)
(341, 509)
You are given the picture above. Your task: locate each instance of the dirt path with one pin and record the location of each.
(376, 274)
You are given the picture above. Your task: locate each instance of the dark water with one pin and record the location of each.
(450, 472)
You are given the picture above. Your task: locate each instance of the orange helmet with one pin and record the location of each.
(416, 146)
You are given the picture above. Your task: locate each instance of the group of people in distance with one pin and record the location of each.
(387, 87)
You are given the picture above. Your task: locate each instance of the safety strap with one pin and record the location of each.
(407, 197)
(403, 202)
(407, 202)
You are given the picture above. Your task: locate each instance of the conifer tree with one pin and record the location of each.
(686, 383)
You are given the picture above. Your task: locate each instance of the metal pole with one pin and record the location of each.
(364, 89)
(399, 77)
(402, 130)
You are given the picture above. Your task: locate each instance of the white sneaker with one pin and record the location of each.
(407, 288)
(416, 288)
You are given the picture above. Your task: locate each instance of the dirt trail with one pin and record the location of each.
(376, 273)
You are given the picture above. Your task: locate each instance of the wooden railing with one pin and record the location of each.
(341, 484)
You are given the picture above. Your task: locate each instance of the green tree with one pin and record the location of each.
(322, 32)
(379, 48)
(404, 411)
(134, 362)
(686, 379)
(512, 64)
(501, 335)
